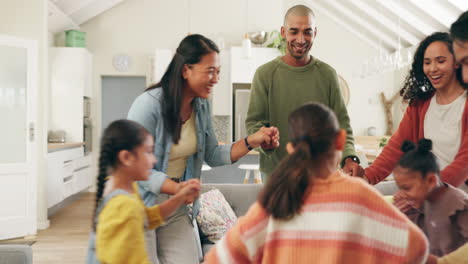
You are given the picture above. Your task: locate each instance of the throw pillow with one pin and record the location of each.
(215, 216)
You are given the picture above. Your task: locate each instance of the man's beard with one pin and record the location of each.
(297, 56)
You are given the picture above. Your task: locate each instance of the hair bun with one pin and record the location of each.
(425, 145)
(407, 146)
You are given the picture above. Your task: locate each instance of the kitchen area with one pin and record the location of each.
(69, 160)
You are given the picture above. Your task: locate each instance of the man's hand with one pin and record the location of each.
(353, 168)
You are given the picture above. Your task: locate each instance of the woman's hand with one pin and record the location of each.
(190, 190)
(266, 137)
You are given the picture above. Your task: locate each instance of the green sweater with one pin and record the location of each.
(278, 89)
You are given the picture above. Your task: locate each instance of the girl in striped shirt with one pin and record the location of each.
(310, 212)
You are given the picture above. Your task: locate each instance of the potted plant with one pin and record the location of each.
(277, 41)
(383, 142)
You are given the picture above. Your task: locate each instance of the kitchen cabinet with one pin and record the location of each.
(70, 80)
(243, 69)
(69, 172)
(237, 69)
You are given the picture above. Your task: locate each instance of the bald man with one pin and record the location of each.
(287, 82)
(459, 33)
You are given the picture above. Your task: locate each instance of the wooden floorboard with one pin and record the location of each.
(66, 240)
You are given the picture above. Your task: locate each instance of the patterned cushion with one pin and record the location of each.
(215, 216)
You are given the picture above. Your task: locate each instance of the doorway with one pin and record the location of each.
(118, 94)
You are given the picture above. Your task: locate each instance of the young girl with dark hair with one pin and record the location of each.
(176, 111)
(120, 216)
(310, 212)
(438, 208)
(438, 110)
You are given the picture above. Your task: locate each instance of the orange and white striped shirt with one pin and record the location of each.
(343, 220)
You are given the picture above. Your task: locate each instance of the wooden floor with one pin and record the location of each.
(66, 240)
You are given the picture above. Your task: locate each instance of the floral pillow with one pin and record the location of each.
(215, 216)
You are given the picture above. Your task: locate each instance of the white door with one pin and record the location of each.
(18, 170)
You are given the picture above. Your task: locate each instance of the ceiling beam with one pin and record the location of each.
(386, 22)
(93, 9)
(406, 16)
(461, 5)
(57, 20)
(435, 10)
(364, 24)
(70, 7)
(321, 9)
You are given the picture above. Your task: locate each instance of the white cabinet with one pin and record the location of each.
(82, 174)
(88, 67)
(69, 172)
(243, 69)
(237, 69)
(54, 178)
(222, 98)
(70, 80)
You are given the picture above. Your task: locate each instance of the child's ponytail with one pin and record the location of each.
(313, 129)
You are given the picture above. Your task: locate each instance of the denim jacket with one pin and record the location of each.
(147, 110)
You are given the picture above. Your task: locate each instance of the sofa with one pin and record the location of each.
(241, 196)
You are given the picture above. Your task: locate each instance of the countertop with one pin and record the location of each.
(369, 146)
(67, 145)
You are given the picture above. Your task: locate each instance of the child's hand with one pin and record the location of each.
(401, 201)
(189, 190)
(431, 259)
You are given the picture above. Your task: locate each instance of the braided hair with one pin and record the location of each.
(419, 158)
(417, 85)
(119, 135)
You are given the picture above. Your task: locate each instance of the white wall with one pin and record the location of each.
(28, 19)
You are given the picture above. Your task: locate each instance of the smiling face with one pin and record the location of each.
(439, 65)
(201, 77)
(299, 33)
(460, 48)
(413, 185)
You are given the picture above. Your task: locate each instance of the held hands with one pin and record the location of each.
(353, 168)
(189, 190)
(265, 137)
